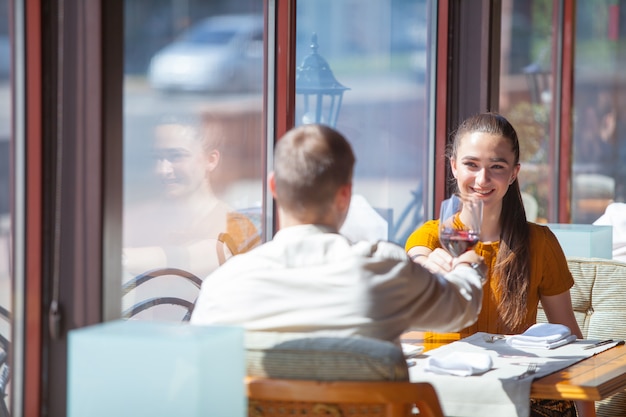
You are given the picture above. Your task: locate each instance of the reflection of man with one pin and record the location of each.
(189, 227)
(310, 278)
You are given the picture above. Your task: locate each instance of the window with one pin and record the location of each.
(6, 276)
(599, 113)
(379, 52)
(193, 140)
(526, 98)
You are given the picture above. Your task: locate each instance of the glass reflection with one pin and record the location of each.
(599, 148)
(6, 291)
(526, 96)
(379, 51)
(192, 148)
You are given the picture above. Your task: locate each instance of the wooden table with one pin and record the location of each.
(591, 379)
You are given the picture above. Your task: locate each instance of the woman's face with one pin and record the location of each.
(485, 166)
(181, 163)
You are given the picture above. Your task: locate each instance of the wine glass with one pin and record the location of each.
(459, 223)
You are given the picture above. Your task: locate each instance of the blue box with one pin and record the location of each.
(584, 240)
(154, 369)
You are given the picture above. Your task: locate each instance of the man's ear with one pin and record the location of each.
(344, 196)
(271, 183)
(213, 160)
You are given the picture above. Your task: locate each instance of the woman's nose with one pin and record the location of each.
(164, 167)
(482, 177)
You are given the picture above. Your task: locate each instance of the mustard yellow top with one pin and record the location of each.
(549, 273)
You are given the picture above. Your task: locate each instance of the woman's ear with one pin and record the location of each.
(453, 166)
(213, 160)
(515, 172)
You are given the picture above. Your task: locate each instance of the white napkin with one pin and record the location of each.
(542, 335)
(459, 363)
(411, 350)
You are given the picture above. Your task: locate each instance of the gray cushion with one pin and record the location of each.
(304, 356)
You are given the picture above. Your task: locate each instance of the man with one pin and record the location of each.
(310, 278)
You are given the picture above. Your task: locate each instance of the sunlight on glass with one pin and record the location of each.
(193, 137)
(370, 58)
(5, 211)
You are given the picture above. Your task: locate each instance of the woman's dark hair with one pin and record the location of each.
(512, 267)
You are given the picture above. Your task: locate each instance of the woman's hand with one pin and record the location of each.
(474, 260)
(437, 261)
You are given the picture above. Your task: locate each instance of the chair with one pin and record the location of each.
(303, 374)
(169, 273)
(180, 293)
(600, 308)
(269, 397)
(5, 374)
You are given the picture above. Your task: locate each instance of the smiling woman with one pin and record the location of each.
(186, 226)
(525, 262)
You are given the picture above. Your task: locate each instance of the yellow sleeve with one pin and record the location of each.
(556, 277)
(241, 235)
(426, 235)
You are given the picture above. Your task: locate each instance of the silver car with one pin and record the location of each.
(220, 53)
(5, 57)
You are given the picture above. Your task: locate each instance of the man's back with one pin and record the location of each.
(309, 279)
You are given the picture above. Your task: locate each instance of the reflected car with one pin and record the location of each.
(220, 53)
(5, 57)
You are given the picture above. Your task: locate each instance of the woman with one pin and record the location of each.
(186, 225)
(525, 261)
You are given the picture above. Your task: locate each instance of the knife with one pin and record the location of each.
(604, 342)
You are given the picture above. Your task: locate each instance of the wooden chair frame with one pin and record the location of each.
(398, 399)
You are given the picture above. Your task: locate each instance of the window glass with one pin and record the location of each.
(527, 45)
(5, 207)
(599, 148)
(193, 141)
(378, 53)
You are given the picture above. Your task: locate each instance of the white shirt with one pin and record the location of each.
(308, 279)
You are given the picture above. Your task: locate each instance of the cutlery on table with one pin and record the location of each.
(531, 370)
(604, 342)
(492, 338)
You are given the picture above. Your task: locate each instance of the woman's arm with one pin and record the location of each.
(417, 252)
(558, 309)
(201, 258)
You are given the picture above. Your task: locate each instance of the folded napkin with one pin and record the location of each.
(459, 363)
(411, 350)
(542, 335)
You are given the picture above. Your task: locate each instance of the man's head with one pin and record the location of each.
(186, 153)
(312, 178)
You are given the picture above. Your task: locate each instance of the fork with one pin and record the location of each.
(532, 369)
(492, 338)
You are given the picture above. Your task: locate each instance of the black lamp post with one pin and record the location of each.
(321, 92)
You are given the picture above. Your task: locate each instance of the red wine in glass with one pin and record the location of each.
(460, 220)
(456, 241)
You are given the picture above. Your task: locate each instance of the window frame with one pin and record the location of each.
(85, 95)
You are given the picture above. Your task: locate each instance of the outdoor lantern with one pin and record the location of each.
(321, 92)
